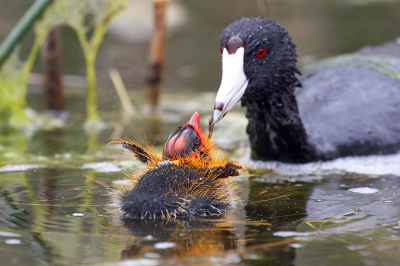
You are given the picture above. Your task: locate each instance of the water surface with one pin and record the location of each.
(55, 185)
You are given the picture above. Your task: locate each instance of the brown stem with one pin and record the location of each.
(51, 62)
(156, 57)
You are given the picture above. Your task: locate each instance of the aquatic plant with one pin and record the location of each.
(83, 17)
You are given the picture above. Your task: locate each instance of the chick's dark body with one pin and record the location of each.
(176, 191)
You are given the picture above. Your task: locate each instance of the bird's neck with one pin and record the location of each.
(275, 129)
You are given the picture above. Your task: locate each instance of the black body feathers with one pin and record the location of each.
(346, 106)
(177, 192)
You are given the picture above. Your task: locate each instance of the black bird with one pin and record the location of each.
(345, 106)
(190, 179)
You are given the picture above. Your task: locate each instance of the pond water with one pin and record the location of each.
(57, 215)
(55, 185)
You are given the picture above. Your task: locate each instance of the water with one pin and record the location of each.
(54, 186)
(58, 216)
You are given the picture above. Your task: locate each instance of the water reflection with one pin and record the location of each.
(59, 215)
(180, 238)
(38, 205)
(283, 204)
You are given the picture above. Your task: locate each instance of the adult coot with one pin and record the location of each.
(346, 106)
(190, 179)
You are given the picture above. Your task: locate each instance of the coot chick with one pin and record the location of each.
(347, 106)
(190, 179)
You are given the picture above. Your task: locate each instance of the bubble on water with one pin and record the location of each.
(13, 241)
(164, 245)
(296, 245)
(290, 233)
(78, 214)
(363, 190)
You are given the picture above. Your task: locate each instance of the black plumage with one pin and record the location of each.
(347, 106)
(174, 191)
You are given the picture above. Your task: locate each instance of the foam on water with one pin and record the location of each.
(19, 167)
(105, 167)
(364, 190)
(370, 165)
(143, 262)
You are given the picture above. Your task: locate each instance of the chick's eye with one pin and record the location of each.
(260, 53)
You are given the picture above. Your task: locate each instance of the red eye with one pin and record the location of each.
(261, 52)
(220, 49)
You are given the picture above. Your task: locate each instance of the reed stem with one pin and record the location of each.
(22, 27)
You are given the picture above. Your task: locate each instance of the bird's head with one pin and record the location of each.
(257, 57)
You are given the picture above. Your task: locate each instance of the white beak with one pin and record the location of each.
(233, 84)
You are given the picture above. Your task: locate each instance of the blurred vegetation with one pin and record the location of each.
(89, 19)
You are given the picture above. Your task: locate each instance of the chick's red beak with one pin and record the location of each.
(195, 121)
(184, 139)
